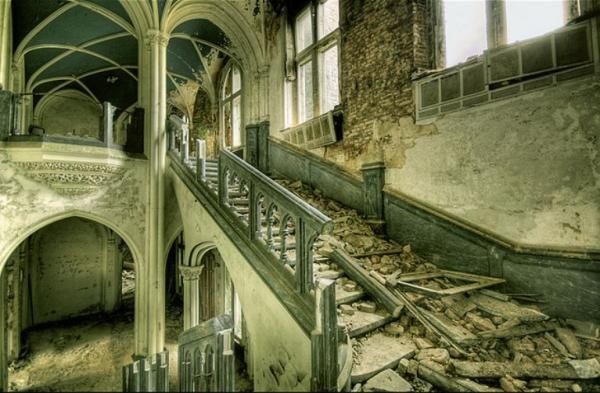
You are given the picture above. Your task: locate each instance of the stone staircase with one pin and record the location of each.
(393, 349)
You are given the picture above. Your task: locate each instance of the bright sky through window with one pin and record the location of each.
(530, 18)
(465, 23)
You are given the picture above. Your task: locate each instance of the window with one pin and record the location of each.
(471, 26)
(316, 89)
(526, 19)
(465, 30)
(231, 108)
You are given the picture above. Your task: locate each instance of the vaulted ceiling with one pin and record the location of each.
(91, 46)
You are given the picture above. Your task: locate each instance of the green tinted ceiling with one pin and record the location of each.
(205, 30)
(114, 6)
(76, 26)
(123, 50)
(75, 64)
(37, 58)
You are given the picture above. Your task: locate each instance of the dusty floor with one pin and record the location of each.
(87, 353)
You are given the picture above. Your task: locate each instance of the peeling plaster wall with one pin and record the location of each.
(280, 351)
(57, 184)
(527, 168)
(67, 114)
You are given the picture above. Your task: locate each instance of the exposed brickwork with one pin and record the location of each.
(383, 43)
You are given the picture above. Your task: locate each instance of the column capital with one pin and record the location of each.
(156, 37)
(190, 273)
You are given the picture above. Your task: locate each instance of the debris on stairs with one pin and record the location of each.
(415, 327)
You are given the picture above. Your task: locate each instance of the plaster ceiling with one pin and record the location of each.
(90, 45)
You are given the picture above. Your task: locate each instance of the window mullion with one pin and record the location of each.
(316, 72)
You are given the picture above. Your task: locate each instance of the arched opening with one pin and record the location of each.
(231, 107)
(218, 296)
(174, 306)
(68, 301)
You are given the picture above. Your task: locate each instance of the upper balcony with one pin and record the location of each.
(566, 53)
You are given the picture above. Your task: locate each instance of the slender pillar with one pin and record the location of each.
(150, 299)
(5, 43)
(3, 347)
(191, 295)
(113, 265)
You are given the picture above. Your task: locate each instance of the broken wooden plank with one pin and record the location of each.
(456, 333)
(506, 310)
(358, 274)
(521, 330)
(495, 295)
(449, 384)
(574, 369)
(476, 282)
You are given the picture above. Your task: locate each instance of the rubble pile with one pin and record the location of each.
(473, 340)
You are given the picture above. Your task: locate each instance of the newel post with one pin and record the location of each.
(373, 182)
(257, 145)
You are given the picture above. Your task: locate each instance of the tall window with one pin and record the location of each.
(316, 90)
(465, 30)
(231, 107)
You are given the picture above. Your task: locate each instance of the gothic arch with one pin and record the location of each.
(31, 229)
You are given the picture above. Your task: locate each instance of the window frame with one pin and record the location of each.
(225, 100)
(312, 54)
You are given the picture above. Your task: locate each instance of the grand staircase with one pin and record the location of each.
(412, 325)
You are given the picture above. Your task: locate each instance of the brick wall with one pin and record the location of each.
(383, 43)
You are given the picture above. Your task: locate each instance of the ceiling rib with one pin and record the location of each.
(99, 71)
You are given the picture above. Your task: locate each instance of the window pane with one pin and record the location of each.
(237, 80)
(466, 35)
(227, 131)
(329, 88)
(303, 30)
(227, 84)
(329, 17)
(305, 92)
(526, 19)
(237, 121)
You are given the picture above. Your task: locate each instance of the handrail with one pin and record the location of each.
(271, 204)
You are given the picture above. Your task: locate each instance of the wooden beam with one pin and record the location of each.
(361, 276)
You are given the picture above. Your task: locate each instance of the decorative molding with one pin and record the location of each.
(72, 178)
(190, 273)
(154, 37)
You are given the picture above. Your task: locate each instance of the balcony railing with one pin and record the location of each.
(566, 53)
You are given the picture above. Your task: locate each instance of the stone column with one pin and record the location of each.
(3, 347)
(150, 292)
(107, 123)
(191, 295)
(5, 43)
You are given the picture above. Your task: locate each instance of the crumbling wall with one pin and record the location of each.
(527, 168)
(383, 43)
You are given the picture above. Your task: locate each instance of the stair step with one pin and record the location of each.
(330, 274)
(239, 201)
(344, 297)
(380, 352)
(288, 246)
(361, 323)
